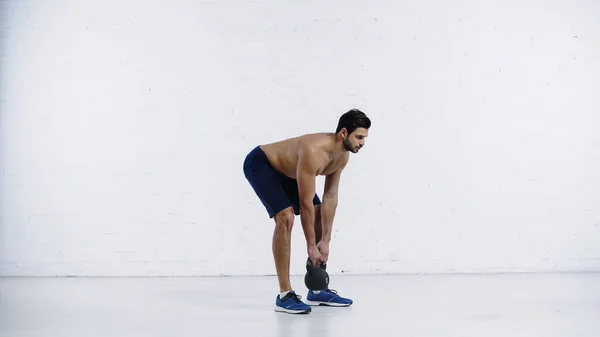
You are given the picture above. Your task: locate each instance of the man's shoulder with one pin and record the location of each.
(311, 144)
(313, 140)
(314, 137)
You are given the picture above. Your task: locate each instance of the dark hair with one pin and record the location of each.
(352, 120)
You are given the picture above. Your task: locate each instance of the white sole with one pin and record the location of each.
(289, 311)
(316, 303)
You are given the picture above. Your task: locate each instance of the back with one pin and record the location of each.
(283, 155)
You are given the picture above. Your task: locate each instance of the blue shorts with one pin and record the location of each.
(275, 190)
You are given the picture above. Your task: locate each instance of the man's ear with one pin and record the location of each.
(344, 132)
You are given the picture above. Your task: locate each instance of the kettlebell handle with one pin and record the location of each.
(309, 264)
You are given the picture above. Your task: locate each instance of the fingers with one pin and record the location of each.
(322, 259)
(314, 260)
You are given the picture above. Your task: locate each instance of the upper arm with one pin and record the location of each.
(308, 165)
(332, 182)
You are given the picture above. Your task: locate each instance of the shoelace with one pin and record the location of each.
(295, 297)
(331, 291)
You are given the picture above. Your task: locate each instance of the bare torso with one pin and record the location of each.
(283, 155)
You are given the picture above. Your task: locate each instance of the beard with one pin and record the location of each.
(348, 146)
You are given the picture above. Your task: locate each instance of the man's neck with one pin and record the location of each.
(336, 148)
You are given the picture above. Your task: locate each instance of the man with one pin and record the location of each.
(283, 176)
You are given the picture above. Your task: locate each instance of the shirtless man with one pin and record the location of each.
(283, 176)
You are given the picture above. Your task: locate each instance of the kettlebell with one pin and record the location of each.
(316, 277)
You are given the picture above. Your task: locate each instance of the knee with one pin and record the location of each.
(284, 220)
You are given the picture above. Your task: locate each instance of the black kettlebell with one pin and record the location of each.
(316, 277)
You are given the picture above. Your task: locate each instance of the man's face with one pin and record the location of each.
(354, 141)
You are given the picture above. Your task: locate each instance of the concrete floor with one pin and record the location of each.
(419, 305)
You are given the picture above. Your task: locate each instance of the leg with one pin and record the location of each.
(282, 236)
(328, 296)
(269, 187)
(318, 226)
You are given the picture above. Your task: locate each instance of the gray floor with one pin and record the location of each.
(419, 305)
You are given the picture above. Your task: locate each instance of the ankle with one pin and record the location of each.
(284, 291)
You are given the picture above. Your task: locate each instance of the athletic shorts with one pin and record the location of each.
(275, 190)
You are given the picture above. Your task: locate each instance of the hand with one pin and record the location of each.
(315, 255)
(323, 247)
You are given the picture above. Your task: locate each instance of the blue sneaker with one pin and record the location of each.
(291, 304)
(327, 297)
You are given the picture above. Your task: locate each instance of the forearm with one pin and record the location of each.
(307, 217)
(328, 208)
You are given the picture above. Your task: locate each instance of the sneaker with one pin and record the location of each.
(327, 297)
(291, 304)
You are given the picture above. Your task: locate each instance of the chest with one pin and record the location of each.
(329, 168)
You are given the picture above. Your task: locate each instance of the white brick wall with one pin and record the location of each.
(124, 126)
